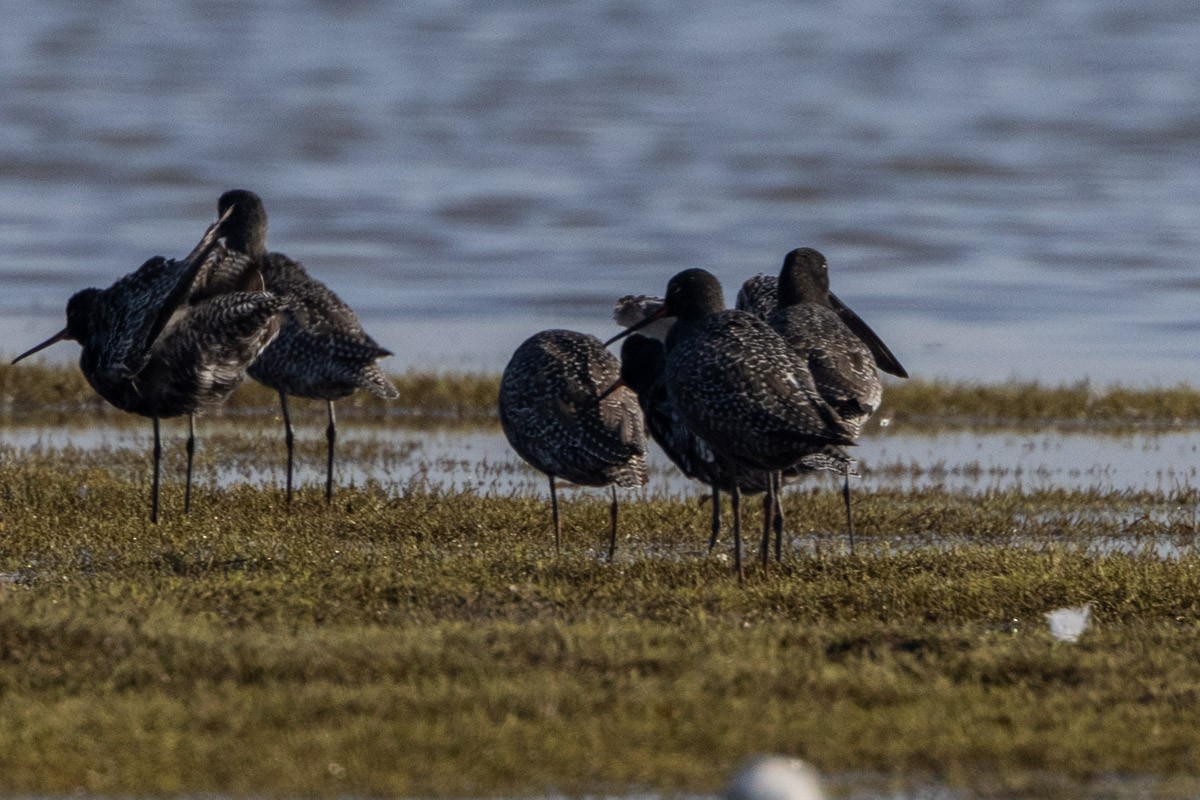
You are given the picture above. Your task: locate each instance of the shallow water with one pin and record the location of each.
(480, 459)
(1001, 189)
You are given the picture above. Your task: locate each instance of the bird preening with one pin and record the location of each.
(176, 337)
(744, 400)
(750, 397)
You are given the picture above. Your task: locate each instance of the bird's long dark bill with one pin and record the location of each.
(595, 401)
(655, 317)
(883, 356)
(61, 336)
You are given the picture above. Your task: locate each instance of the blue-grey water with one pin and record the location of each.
(1002, 189)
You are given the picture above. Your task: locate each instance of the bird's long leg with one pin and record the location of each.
(849, 512)
(612, 539)
(154, 484)
(764, 551)
(191, 454)
(716, 517)
(779, 516)
(330, 438)
(290, 438)
(736, 500)
(554, 516)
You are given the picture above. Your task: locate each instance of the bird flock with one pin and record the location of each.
(744, 400)
(176, 337)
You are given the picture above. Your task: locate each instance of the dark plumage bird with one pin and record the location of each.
(760, 296)
(554, 416)
(643, 369)
(172, 337)
(740, 387)
(840, 358)
(322, 351)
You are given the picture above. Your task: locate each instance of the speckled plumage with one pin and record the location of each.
(643, 370)
(549, 412)
(841, 364)
(760, 296)
(551, 417)
(173, 337)
(740, 387)
(643, 364)
(746, 393)
(322, 351)
(841, 361)
(634, 308)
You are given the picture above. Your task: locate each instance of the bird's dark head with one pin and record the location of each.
(642, 362)
(80, 310)
(246, 228)
(694, 294)
(80, 313)
(804, 278)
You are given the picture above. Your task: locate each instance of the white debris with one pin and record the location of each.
(1067, 624)
(774, 778)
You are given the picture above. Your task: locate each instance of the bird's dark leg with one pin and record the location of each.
(154, 484)
(612, 539)
(736, 500)
(191, 453)
(779, 516)
(554, 516)
(768, 522)
(716, 517)
(290, 438)
(330, 438)
(849, 513)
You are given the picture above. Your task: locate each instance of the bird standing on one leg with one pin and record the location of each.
(172, 337)
(322, 351)
(556, 416)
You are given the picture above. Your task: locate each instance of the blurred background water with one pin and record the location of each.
(1001, 189)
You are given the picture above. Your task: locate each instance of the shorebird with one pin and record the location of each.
(322, 351)
(554, 416)
(760, 296)
(740, 387)
(840, 358)
(172, 338)
(643, 365)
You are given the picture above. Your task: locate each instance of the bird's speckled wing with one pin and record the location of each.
(744, 391)
(841, 364)
(549, 412)
(759, 296)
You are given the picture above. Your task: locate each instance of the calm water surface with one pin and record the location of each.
(1002, 189)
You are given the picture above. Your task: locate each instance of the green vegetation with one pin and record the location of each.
(415, 642)
(40, 392)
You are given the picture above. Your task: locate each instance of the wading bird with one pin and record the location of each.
(840, 356)
(322, 351)
(172, 338)
(643, 366)
(554, 416)
(740, 387)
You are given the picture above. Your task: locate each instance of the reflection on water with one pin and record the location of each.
(1002, 189)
